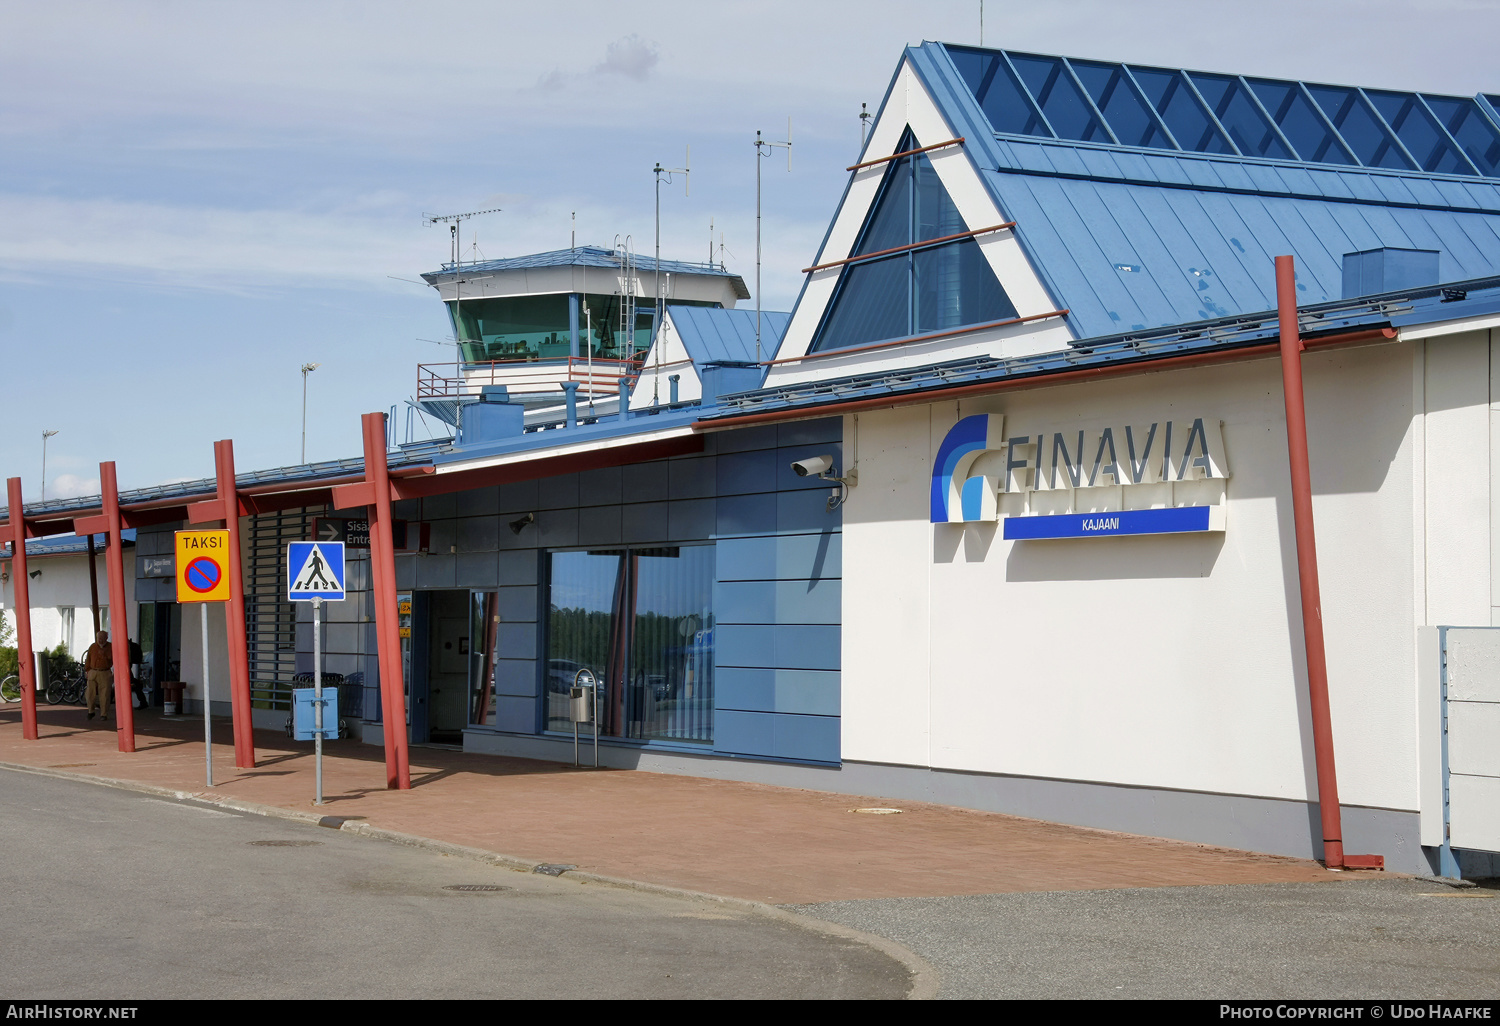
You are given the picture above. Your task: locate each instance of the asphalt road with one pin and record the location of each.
(1366, 938)
(111, 894)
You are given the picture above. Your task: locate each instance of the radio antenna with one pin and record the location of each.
(453, 221)
(764, 148)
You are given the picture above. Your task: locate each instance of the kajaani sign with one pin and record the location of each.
(977, 462)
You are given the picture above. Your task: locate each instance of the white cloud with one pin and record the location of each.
(632, 57)
(72, 486)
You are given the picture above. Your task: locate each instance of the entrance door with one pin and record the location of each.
(448, 666)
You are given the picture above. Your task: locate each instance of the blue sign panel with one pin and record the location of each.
(304, 714)
(314, 570)
(1171, 520)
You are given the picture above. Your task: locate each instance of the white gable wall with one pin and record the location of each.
(910, 104)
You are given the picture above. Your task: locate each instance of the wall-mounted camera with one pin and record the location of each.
(822, 467)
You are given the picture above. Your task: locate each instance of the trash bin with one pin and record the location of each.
(171, 692)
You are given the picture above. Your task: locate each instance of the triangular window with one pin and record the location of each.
(921, 288)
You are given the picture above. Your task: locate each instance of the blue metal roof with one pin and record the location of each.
(1129, 237)
(65, 544)
(1435, 304)
(589, 256)
(712, 334)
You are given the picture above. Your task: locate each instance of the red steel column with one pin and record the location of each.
(114, 568)
(21, 584)
(383, 581)
(234, 612)
(1307, 562)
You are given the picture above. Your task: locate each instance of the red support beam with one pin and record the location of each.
(1291, 345)
(234, 612)
(20, 584)
(114, 568)
(387, 633)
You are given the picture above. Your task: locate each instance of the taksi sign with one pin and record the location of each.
(202, 566)
(978, 462)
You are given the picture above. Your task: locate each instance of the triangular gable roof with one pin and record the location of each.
(1131, 237)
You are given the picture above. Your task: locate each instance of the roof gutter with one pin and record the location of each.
(1142, 366)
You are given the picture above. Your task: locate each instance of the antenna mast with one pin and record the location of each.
(453, 221)
(658, 171)
(764, 148)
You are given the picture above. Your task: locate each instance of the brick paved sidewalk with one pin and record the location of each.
(772, 844)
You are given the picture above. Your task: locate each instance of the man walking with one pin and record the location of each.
(96, 665)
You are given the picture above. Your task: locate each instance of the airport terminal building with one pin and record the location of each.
(1003, 514)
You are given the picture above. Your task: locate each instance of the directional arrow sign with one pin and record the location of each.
(354, 532)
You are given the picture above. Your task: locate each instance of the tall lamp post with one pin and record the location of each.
(307, 368)
(45, 435)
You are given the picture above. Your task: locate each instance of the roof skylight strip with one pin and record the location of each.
(1098, 114)
(1333, 131)
(1453, 144)
(1161, 122)
(1209, 111)
(1245, 89)
(1036, 108)
(1390, 129)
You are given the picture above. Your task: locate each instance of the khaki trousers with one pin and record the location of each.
(100, 685)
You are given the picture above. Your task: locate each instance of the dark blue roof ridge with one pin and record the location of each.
(579, 256)
(1210, 71)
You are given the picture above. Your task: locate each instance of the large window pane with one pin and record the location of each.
(671, 667)
(873, 304)
(1000, 96)
(642, 621)
(1421, 136)
(581, 624)
(1365, 133)
(955, 286)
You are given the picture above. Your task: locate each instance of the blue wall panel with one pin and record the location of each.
(744, 733)
(806, 737)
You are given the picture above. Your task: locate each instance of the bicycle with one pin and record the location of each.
(10, 689)
(67, 687)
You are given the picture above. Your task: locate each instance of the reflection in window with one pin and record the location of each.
(642, 621)
(484, 622)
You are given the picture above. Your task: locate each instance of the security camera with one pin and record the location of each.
(817, 466)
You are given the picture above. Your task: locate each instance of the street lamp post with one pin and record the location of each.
(307, 368)
(45, 435)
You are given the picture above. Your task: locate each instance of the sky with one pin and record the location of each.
(197, 198)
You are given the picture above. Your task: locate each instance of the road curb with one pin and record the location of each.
(924, 977)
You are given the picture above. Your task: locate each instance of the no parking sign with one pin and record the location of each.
(203, 566)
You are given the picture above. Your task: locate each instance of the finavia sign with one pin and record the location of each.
(977, 463)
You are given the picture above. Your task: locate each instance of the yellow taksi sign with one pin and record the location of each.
(203, 566)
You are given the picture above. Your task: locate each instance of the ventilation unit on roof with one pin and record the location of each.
(1371, 272)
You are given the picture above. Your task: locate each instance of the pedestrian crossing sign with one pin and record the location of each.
(314, 570)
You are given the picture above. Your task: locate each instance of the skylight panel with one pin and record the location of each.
(1301, 123)
(1471, 129)
(1423, 138)
(999, 95)
(1360, 127)
(1184, 115)
(1129, 115)
(1241, 117)
(1066, 107)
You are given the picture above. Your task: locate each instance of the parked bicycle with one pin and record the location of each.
(10, 689)
(67, 686)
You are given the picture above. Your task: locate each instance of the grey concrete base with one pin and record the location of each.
(1272, 825)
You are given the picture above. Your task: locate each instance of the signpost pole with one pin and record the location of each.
(317, 612)
(208, 733)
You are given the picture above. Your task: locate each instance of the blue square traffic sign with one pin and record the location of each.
(314, 570)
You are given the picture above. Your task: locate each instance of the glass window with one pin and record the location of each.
(1471, 129)
(484, 622)
(1241, 118)
(1418, 132)
(1127, 112)
(1300, 122)
(642, 621)
(1000, 96)
(514, 328)
(945, 286)
(1365, 133)
(1185, 117)
(1066, 107)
